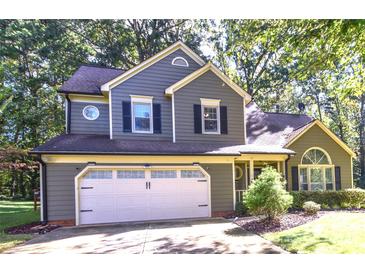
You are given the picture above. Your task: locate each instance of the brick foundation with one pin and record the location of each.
(62, 222)
(223, 213)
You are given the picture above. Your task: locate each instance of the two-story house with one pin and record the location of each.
(174, 138)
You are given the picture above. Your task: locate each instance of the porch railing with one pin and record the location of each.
(239, 195)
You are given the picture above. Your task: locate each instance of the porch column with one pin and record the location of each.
(251, 164)
(278, 166)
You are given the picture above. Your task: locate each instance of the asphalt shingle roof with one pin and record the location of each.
(89, 79)
(270, 128)
(101, 144)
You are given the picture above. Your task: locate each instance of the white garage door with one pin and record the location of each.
(123, 195)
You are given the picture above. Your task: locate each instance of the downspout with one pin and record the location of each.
(44, 191)
(68, 115)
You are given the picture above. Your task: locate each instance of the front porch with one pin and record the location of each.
(248, 167)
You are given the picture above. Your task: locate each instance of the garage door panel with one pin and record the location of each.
(136, 199)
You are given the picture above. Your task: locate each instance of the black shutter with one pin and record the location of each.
(294, 176)
(338, 177)
(224, 120)
(157, 118)
(197, 119)
(127, 116)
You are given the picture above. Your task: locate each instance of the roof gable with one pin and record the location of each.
(106, 87)
(302, 131)
(208, 67)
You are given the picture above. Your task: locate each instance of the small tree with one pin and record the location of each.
(267, 195)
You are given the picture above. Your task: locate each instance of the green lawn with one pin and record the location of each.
(13, 213)
(338, 232)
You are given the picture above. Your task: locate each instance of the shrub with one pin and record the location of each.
(355, 197)
(241, 209)
(267, 195)
(349, 198)
(311, 208)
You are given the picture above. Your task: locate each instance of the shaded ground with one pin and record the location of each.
(204, 237)
(336, 232)
(260, 226)
(14, 213)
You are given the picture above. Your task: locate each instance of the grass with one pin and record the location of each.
(334, 233)
(13, 213)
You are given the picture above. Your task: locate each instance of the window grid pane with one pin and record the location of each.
(142, 116)
(130, 174)
(210, 119)
(191, 174)
(99, 174)
(163, 174)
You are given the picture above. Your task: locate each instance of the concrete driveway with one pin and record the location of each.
(201, 237)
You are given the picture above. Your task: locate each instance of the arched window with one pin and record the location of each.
(316, 171)
(180, 61)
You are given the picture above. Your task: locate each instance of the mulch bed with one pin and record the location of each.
(260, 226)
(32, 228)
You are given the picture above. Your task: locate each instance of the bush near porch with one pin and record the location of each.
(349, 198)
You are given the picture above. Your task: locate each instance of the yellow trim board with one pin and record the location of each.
(208, 67)
(261, 157)
(89, 99)
(135, 159)
(329, 133)
(152, 60)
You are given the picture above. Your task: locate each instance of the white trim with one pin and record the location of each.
(144, 100)
(41, 189)
(180, 58)
(141, 98)
(234, 186)
(66, 114)
(147, 63)
(110, 117)
(173, 119)
(87, 168)
(90, 119)
(209, 66)
(244, 122)
(211, 103)
(318, 148)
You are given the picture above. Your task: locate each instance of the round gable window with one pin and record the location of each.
(90, 112)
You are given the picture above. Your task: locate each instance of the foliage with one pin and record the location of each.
(350, 198)
(267, 195)
(13, 213)
(37, 56)
(355, 198)
(311, 208)
(335, 233)
(241, 208)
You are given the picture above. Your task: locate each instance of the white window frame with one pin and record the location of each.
(144, 100)
(180, 58)
(87, 118)
(211, 103)
(323, 167)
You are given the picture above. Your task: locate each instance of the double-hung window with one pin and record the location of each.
(142, 120)
(210, 116)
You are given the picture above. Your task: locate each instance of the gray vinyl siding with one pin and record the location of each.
(208, 86)
(221, 186)
(151, 82)
(80, 125)
(61, 190)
